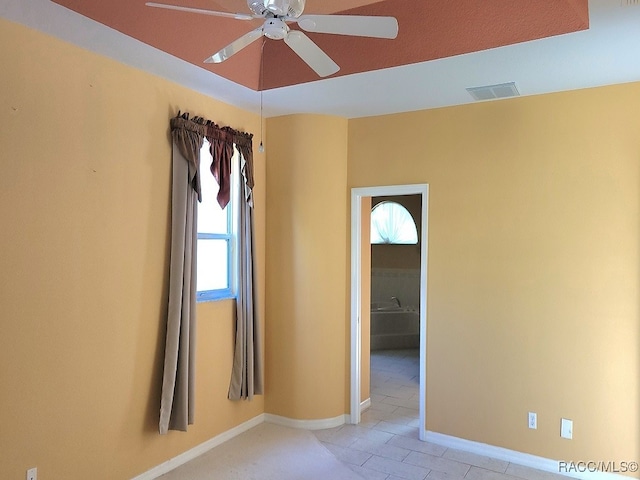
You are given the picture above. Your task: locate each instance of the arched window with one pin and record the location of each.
(392, 223)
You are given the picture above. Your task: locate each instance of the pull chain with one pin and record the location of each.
(261, 147)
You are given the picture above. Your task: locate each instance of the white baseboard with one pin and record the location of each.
(519, 458)
(198, 450)
(365, 404)
(307, 424)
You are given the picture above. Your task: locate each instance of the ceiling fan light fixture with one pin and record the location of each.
(257, 7)
(280, 8)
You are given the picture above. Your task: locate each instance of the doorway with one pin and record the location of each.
(357, 242)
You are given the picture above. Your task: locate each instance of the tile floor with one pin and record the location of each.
(385, 445)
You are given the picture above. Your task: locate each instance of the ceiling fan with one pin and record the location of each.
(277, 14)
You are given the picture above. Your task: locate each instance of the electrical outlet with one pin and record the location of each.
(32, 473)
(533, 420)
(566, 428)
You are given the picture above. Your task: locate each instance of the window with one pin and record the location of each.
(392, 223)
(216, 235)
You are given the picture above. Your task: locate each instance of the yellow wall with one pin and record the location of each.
(534, 291)
(307, 267)
(84, 210)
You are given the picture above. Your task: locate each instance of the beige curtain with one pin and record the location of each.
(177, 400)
(247, 373)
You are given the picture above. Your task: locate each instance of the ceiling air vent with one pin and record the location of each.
(489, 92)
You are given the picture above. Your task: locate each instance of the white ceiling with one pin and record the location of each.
(608, 53)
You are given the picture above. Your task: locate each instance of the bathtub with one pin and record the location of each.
(394, 327)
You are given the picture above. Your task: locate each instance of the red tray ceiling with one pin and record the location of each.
(428, 30)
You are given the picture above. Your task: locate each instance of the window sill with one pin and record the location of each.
(214, 296)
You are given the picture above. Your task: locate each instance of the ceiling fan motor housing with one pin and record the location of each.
(275, 29)
(289, 8)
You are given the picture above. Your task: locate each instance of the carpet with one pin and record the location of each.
(266, 452)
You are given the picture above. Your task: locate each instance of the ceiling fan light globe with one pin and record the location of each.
(277, 7)
(257, 6)
(282, 8)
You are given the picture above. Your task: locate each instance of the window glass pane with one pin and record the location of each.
(212, 264)
(211, 218)
(392, 223)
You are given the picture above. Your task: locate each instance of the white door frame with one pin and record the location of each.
(357, 194)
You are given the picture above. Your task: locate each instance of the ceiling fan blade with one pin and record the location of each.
(237, 16)
(356, 25)
(235, 46)
(312, 55)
